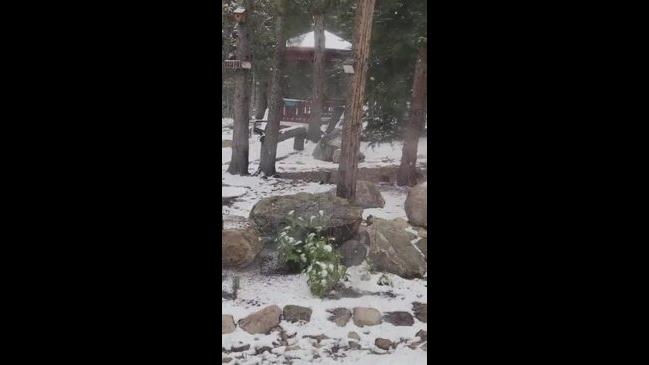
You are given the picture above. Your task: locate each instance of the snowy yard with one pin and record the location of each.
(294, 161)
(257, 291)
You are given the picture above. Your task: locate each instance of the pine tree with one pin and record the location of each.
(269, 144)
(239, 161)
(319, 8)
(407, 174)
(348, 167)
(393, 59)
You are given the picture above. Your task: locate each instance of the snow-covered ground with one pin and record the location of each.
(293, 289)
(258, 291)
(289, 160)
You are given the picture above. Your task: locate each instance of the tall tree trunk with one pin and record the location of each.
(239, 162)
(348, 167)
(407, 174)
(314, 133)
(269, 145)
(261, 100)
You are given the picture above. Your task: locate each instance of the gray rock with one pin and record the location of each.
(391, 250)
(336, 156)
(368, 195)
(364, 316)
(422, 334)
(270, 214)
(421, 311)
(227, 324)
(399, 318)
(261, 322)
(422, 245)
(362, 236)
(340, 316)
(383, 343)
(353, 335)
(239, 247)
(354, 345)
(326, 148)
(353, 253)
(295, 313)
(416, 205)
(240, 348)
(327, 145)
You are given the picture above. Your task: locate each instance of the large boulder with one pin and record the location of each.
(353, 253)
(367, 195)
(262, 321)
(336, 156)
(417, 206)
(271, 214)
(327, 145)
(392, 249)
(326, 148)
(240, 243)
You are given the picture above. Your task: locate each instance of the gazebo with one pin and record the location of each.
(301, 49)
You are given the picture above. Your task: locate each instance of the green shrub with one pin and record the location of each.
(304, 248)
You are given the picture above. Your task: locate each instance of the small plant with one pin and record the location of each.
(384, 280)
(304, 248)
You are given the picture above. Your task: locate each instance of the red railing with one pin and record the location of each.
(299, 111)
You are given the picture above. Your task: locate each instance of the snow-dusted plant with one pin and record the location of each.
(303, 246)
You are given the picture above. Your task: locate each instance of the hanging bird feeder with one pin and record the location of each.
(348, 66)
(234, 65)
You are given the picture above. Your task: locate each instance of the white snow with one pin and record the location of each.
(307, 40)
(293, 289)
(258, 291)
(232, 192)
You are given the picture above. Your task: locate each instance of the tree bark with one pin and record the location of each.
(317, 100)
(269, 145)
(239, 161)
(348, 167)
(407, 174)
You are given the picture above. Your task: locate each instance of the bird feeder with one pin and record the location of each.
(348, 66)
(239, 15)
(237, 65)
